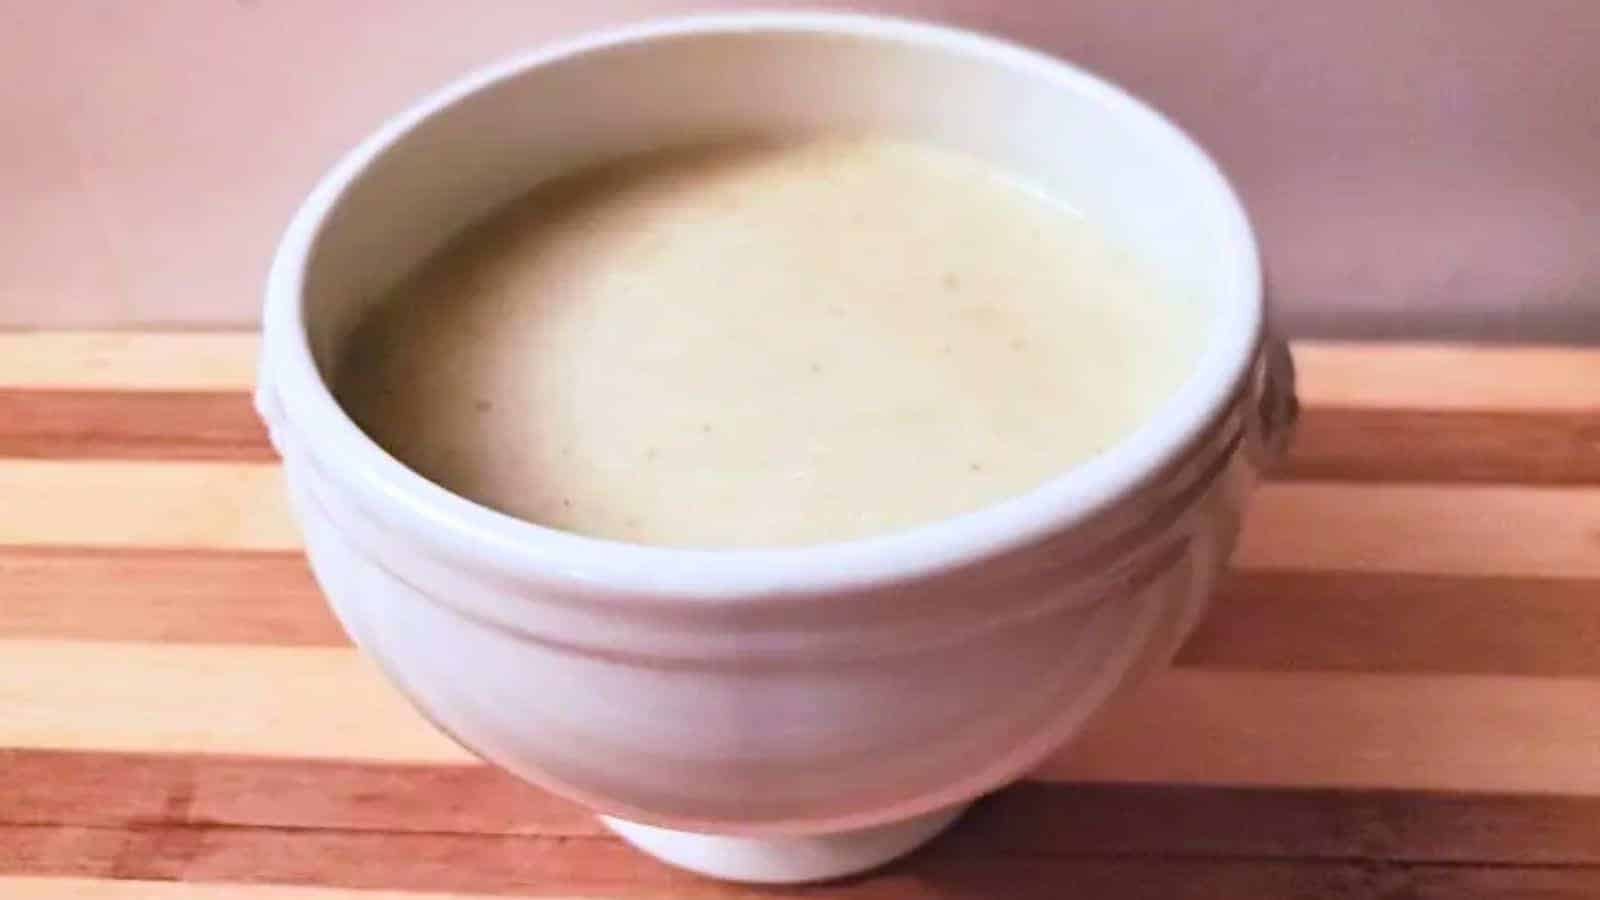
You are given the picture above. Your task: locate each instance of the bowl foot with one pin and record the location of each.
(786, 860)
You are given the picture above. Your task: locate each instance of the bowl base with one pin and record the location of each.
(785, 860)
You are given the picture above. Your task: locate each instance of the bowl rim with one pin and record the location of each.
(291, 384)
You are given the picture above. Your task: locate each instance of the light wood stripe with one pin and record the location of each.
(297, 702)
(1464, 733)
(132, 504)
(1447, 376)
(1366, 375)
(128, 361)
(1310, 526)
(1347, 730)
(1262, 620)
(117, 790)
(442, 863)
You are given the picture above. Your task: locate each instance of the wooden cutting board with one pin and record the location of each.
(1396, 695)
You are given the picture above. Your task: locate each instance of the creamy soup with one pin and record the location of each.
(761, 344)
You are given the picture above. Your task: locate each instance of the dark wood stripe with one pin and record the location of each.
(87, 424)
(162, 595)
(131, 791)
(1053, 819)
(1542, 447)
(471, 829)
(1261, 620)
(1394, 623)
(1334, 443)
(604, 869)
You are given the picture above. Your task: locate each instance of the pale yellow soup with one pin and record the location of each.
(761, 344)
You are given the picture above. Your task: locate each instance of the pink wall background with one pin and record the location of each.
(1416, 166)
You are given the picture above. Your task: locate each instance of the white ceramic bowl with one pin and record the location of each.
(811, 711)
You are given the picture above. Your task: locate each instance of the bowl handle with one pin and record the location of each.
(1277, 408)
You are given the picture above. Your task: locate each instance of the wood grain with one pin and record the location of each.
(1447, 376)
(1308, 526)
(548, 866)
(1463, 733)
(1467, 530)
(145, 594)
(1378, 445)
(1331, 373)
(1398, 623)
(1334, 443)
(24, 887)
(1115, 820)
(144, 504)
(106, 789)
(1410, 413)
(168, 425)
(1261, 620)
(538, 867)
(1188, 726)
(303, 702)
(1396, 695)
(129, 361)
(118, 790)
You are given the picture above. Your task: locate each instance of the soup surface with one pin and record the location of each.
(767, 344)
